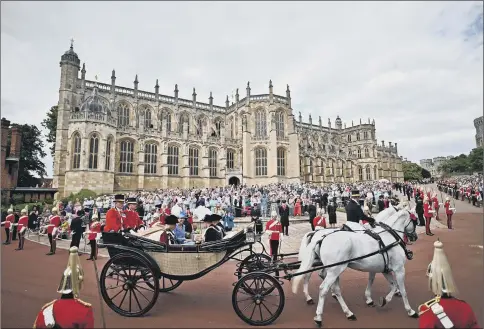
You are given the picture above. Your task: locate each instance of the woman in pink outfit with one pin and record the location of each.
(297, 207)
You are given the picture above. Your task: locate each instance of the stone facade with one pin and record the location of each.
(479, 125)
(10, 155)
(432, 165)
(112, 138)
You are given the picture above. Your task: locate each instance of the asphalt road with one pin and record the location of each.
(30, 279)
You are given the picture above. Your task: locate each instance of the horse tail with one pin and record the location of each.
(304, 243)
(307, 257)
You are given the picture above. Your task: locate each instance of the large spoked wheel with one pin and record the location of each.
(167, 285)
(129, 285)
(258, 299)
(253, 263)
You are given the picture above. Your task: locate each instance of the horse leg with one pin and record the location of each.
(309, 300)
(337, 292)
(324, 288)
(322, 275)
(400, 277)
(393, 288)
(371, 279)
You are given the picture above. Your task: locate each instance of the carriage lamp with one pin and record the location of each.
(250, 235)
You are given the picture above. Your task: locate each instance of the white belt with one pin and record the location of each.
(442, 316)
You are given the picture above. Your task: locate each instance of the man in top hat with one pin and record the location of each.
(115, 216)
(354, 213)
(274, 231)
(76, 228)
(9, 221)
(381, 203)
(213, 232)
(52, 229)
(132, 221)
(284, 214)
(444, 311)
(94, 229)
(449, 211)
(22, 225)
(68, 311)
(168, 237)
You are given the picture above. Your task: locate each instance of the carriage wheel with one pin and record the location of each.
(258, 299)
(253, 263)
(129, 285)
(167, 285)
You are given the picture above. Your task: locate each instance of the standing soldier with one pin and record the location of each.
(320, 221)
(427, 214)
(132, 221)
(77, 229)
(22, 225)
(52, 229)
(115, 216)
(9, 221)
(444, 311)
(436, 205)
(274, 230)
(68, 311)
(449, 212)
(92, 235)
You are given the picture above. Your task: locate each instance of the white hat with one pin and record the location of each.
(54, 210)
(439, 273)
(447, 199)
(10, 210)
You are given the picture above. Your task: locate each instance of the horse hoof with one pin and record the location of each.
(334, 296)
(398, 294)
(319, 324)
(370, 304)
(414, 315)
(310, 302)
(351, 318)
(383, 301)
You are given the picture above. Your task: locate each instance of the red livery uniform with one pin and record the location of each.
(319, 221)
(449, 214)
(55, 221)
(52, 229)
(428, 216)
(274, 228)
(457, 311)
(132, 222)
(93, 230)
(66, 313)
(114, 220)
(22, 222)
(9, 220)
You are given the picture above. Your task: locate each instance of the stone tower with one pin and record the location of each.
(70, 66)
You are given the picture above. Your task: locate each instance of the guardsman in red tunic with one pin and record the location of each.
(274, 231)
(427, 214)
(94, 229)
(319, 221)
(449, 211)
(436, 205)
(132, 222)
(22, 225)
(115, 216)
(444, 311)
(9, 221)
(52, 229)
(68, 311)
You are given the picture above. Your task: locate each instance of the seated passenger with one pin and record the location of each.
(168, 237)
(213, 232)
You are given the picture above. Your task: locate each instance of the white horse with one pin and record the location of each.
(344, 246)
(318, 236)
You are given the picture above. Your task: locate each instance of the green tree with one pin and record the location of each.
(476, 159)
(31, 154)
(411, 171)
(50, 125)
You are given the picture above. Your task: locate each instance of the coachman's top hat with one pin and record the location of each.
(119, 198)
(132, 201)
(355, 194)
(212, 218)
(171, 220)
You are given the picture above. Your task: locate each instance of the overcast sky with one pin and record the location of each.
(416, 67)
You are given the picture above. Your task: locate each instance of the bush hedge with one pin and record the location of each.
(81, 195)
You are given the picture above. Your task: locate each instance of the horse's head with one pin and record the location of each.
(402, 222)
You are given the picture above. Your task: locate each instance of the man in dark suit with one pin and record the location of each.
(354, 213)
(381, 204)
(312, 213)
(324, 201)
(284, 213)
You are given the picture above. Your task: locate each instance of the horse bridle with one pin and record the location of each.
(392, 231)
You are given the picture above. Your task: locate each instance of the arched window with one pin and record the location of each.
(107, 163)
(218, 127)
(359, 153)
(93, 151)
(365, 135)
(230, 159)
(172, 161)
(367, 153)
(123, 115)
(358, 136)
(375, 177)
(260, 123)
(261, 162)
(193, 161)
(212, 162)
(76, 151)
(168, 122)
(126, 157)
(230, 127)
(281, 161)
(360, 173)
(183, 118)
(349, 138)
(147, 122)
(280, 124)
(151, 157)
(368, 173)
(199, 127)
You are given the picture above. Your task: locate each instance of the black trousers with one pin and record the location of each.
(76, 240)
(285, 229)
(93, 245)
(274, 248)
(421, 220)
(312, 224)
(50, 241)
(7, 233)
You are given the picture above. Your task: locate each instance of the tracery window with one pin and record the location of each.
(281, 161)
(261, 162)
(230, 159)
(199, 127)
(231, 128)
(93, 151)
(126, 156)
(212, 162)
(151, 157)
(367, 153)
(349, 138)
(193, 160)
(183, 118)
(218, 128)
(123, 115)
(172, 160)
(147, 122)
(260, 123)
(76, 151)
(368, 173)
(360, 173)
(365, 135)
(358, 136)
(374, 173)
(280, 124)
(359, 153)
(107, 164)
(168, 122)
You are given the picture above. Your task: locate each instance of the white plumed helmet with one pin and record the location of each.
(439, 273)
(273, 213)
